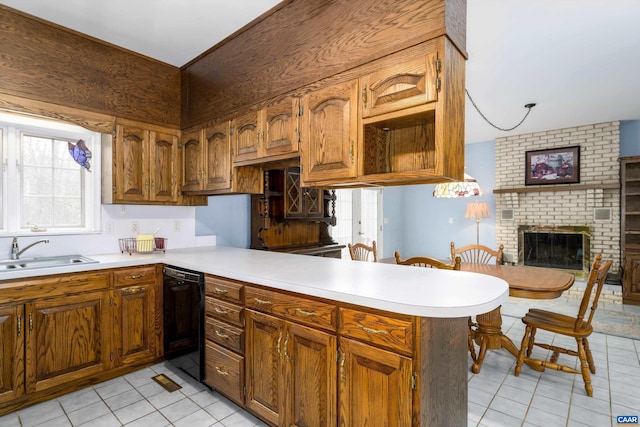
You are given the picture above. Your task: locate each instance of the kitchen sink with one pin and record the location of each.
(44, 262)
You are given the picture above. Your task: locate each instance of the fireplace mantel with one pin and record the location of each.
(542, 189)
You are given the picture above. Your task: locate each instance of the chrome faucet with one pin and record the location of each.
(16, 252)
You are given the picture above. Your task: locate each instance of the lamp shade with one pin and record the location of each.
(467, 188)
(477, 210)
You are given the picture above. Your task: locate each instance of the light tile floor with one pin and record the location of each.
(495, 396)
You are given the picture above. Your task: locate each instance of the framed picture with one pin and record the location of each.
(552, 166)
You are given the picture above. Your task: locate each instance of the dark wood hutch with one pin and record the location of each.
(290, 218)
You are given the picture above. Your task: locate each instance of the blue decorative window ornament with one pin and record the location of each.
(80, 153)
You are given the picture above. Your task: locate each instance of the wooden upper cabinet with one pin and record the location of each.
(217, 155)
(246, 137)
(400, 86)
(142, 165)
(206, 163)
(163, 166)
(268, 134)
(192, 159)
(280, 127)
(131, 164)
(329, 133)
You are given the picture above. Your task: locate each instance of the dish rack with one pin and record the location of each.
(142, 246)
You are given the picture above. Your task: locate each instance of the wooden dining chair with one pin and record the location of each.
(577, 327)
(424, 261)
(478, 254)
(362, 252)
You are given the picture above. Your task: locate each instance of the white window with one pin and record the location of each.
(44, 185)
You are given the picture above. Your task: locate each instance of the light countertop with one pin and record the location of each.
(415, 291)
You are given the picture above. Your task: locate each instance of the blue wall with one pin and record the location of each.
(226, 217)
(629, 138)
(424, 220)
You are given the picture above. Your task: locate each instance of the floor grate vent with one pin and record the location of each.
(166, 383)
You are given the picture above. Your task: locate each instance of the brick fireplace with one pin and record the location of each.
(591, 206)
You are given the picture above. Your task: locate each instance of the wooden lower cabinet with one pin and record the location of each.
(375, 386)
(290, 372)
(88, 328)
(11, 352)
(265, 372)
(66, 338)
(133, 317)
(631, 279)
(224, 371)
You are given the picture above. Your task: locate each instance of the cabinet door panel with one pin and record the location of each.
(218, 157)
(329, 133)
(192, 170)
(265, 376)
(246, 143)
(311, 377)
(374, 386)
(67, 339)
(404, 85)
(163, 167)
(280, 128)
(11, 353)
(133, 324)
(224, 371)
(631, 284)
(131, 166)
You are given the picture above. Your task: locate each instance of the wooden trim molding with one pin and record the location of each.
(93, 121)
(557, 188)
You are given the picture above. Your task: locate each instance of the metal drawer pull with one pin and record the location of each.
(307, 313)
(30, 323)
(219, 291)
(19, 321)
(136, 276)
(262, 302)
(342, 359)
(221, 372)
(286, 343)
(221, 335)
(220, 311)
(278, 346)
(133, 290)
(372, 331)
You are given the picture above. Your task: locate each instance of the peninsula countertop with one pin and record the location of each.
(423, 292)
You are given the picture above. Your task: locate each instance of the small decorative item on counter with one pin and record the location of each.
(145, 243)
(142, 243)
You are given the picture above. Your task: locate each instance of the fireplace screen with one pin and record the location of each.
(556, 250)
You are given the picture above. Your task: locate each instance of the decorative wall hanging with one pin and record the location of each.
(81, 154)
(552, 166)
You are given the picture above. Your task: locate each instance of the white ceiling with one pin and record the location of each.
(578, 60)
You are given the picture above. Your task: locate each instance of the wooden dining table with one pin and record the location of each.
(524, 282)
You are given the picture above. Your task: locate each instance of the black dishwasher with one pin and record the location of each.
(184, 320)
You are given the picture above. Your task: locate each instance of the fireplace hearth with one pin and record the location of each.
(564, 247)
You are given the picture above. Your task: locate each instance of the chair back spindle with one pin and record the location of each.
(362, 252)
(478, 254)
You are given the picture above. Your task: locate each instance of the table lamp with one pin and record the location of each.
(477, 210)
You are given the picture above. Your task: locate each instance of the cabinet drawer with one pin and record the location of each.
(134, 276)
(219, 309)
(224, 371)
(389, 332)
(301, 310)
(224, 289)
(224, 334)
